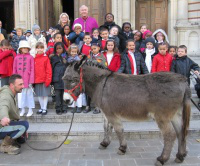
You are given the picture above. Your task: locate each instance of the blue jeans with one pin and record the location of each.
(15, 129)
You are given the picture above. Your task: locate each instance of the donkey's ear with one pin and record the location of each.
(78, 65)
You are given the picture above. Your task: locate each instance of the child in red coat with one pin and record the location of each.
(112, 55)
(7, 55)
(43, 76)
(163, 60)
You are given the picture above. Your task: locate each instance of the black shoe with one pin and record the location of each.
(79, 110)
(58, 112)
(39, 111)
(88, 109)
(96, 111)
(44, 112)
(74, 110)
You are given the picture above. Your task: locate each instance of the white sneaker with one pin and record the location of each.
(30, 112)
(22, 112)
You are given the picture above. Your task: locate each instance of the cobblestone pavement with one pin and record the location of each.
(140, 152)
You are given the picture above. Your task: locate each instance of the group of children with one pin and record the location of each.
(42, 65)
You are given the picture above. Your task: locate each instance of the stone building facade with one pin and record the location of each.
(179, 18)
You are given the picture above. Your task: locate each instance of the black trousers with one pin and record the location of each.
(60, 104)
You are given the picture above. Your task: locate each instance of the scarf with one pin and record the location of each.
(148, 59)
(132, 62)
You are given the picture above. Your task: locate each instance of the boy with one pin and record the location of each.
(104, 35)
(85, 46)
(183, 64)
(132, 61)
(77, 35)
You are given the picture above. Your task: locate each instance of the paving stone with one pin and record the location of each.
(137, 149)
(193, 160)
(77, 163)
(103, 156)
(77, 150)
(94, 162)
(149, 155)
(111, 163)
(145, 161)
(127, 163)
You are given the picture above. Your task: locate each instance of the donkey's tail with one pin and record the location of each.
(186, 112)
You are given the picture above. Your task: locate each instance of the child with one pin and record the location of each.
(43, 76)
(35, 38)
(28, 34)
(163, 60)
(7, 55)
(138, 40)
(114, 35)
(183, 64)
(24, 66)
(85, 47)
(132, 61)
(143, 28)
(77, 35)
(104, 37)
(73, 52)
(160, 36)
(173, 51)
(57, 38)
(17, 38)
(145, 35)
(112, 55)
(95, 35)
(58, 66)
(65, 38)
(150, 52)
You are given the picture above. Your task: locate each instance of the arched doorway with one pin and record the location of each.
(7, 14)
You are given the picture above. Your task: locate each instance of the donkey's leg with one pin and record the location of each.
(177, 124)
(117, 124)
(169, 137)
(107, 134)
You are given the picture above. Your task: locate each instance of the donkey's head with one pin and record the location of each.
(73, 81)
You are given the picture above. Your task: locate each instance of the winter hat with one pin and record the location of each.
(145, 33)
(150, 40)
(28, 31)
(77, 25)
(23, 44)
(35, 26)
(14, 32)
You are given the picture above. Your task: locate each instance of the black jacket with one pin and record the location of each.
(58, 69)
(126, 66)
(183, 65)
(124, 39)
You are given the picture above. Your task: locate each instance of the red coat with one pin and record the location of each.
(6, 62)
(115, 62)
(161, 63)
(43, 71)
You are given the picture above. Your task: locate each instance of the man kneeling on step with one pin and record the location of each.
(12, 131)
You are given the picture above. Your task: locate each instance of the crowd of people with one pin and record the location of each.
(41, 58)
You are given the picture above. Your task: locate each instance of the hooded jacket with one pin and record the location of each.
(163, 32)
(8, 104)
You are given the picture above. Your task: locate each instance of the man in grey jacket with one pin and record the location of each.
(11, 128)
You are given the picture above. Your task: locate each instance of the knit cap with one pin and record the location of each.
(35, 26)
(150, 40)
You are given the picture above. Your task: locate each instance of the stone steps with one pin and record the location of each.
(94, 131)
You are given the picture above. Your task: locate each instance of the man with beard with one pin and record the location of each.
(12, 131)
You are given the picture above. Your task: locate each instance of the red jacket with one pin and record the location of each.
(115, 62)
(6, 62)
(43, 71)
(161, 63)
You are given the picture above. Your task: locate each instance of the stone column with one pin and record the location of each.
(182, 15)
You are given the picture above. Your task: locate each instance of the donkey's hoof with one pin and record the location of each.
(177, 160)
(121, 152)
(102, 147)
(158, 163)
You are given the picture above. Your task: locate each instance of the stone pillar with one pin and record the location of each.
(124, 11)
(182, 15)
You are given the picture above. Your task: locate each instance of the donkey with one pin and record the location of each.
(164, 96)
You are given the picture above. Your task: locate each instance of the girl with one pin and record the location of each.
(143, 28)
(73, 52)
(173, 51)
(59, 65)
(150, 52)
(145, 35)
(24, 66)
(43, 76)
(113, 34)
(160, 36)
(112, 55)
(7, 55)
(35, 38)
(65, 38)
(95, 35)
(17, 38)
(163, 60)
(138, 40)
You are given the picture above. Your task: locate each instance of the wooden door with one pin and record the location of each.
(97, 8)
(153, 13)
